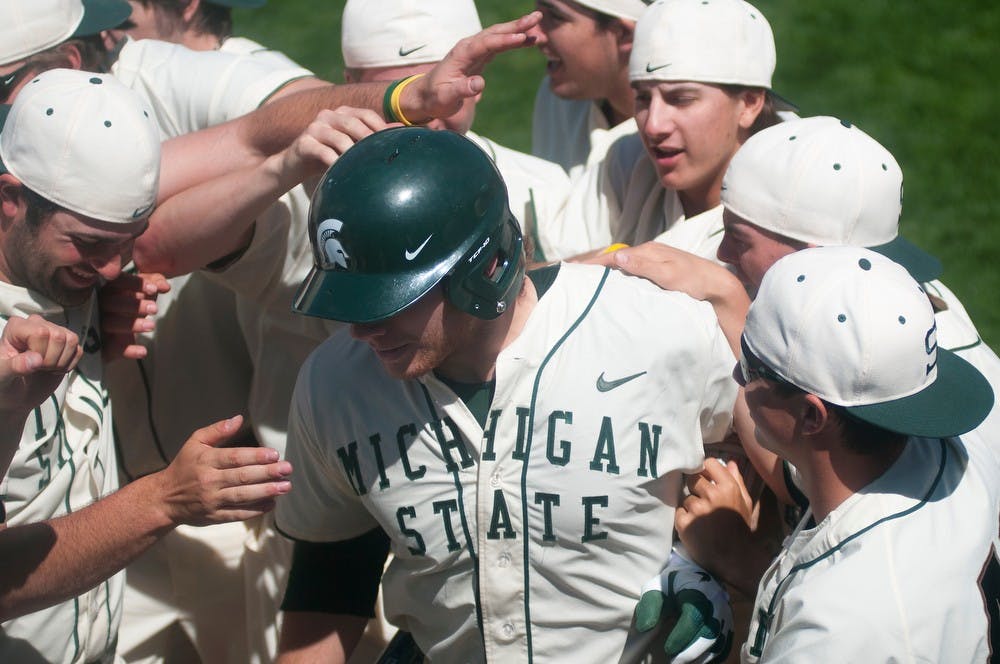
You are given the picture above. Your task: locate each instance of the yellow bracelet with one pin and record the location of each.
(394, 100)
(614, 247)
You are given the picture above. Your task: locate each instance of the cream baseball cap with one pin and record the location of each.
(853, 327)
(629, 9)
(404, 32)
(28, 27)
(707, 41)
(85, 142)
(823, 181)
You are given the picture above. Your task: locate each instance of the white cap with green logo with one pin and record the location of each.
(85, 142)
(853, 327)
(404, 32)
(28, 27)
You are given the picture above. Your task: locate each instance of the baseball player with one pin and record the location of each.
(201, 580)
(80, 162)
(847, 192)
(585, 102)
(701, 74)
(521, 467)
(397, 40)
(896, 558)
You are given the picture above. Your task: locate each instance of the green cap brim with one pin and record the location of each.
(781, 103)
(955, 403)
(4, 110)
(921, 265)
(102, 15)
(361, 298)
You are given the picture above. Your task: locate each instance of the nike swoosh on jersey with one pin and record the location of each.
(403, 52)
(410, 255)
(650, 68)
(608, 385)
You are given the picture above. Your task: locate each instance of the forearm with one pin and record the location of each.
(273, 127)
(211, 220)
(308, 637)
(731, 303)
(50, 562)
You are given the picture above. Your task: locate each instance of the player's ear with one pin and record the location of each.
(753, 103)
(70, 51)
(190, 10)
(624, 31)
(11, 196)
(814, 415)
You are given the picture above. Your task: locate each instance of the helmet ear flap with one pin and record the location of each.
(487, 280)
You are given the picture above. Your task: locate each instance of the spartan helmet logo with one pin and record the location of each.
(331, 252)
(931, 346)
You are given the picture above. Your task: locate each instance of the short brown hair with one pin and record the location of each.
(211, 18)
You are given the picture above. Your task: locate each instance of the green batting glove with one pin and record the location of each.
(703, 632)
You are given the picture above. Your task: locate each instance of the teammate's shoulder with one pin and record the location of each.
(508, 158)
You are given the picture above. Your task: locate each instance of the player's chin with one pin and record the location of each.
(406, 367)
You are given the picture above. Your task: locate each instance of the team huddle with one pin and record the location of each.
(295, 370)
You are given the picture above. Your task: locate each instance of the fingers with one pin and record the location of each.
(34, 344)
(648, 610)
(355, 122)
(217, 433)
(127, 304)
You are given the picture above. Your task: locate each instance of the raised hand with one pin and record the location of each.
(441, 92)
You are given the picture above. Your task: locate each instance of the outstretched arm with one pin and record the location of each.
(193, 158)
(215, 219)
(49, 562)
(35, 355)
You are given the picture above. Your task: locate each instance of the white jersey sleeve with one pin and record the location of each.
(190, 90)
(315, 438)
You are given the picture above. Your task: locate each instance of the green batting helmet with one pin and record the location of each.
(402, 211)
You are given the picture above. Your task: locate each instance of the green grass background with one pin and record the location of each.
(920, 76)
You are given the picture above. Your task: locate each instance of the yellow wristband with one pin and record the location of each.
(397, 93)
(614, 247)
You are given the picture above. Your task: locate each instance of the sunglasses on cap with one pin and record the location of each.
(751, 368)
(10, 81)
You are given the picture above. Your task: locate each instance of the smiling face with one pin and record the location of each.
(65, 255)
(691, 131)
(585, 58)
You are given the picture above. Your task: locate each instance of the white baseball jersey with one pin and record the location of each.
(541, 527)
(190, 90)
(572, 133)
(200, 342)
(903, 571)
(65, 461)
(621, 199)
(536, 188)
